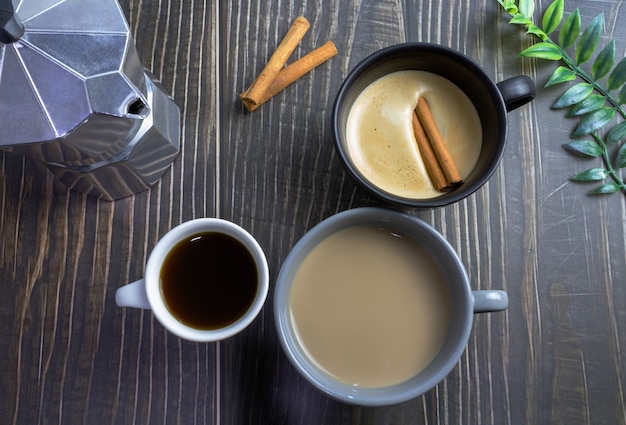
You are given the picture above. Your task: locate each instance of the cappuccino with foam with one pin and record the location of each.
(380, 137)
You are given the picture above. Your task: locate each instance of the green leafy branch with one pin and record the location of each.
(597, 100)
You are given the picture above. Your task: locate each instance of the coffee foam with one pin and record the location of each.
(380, 138)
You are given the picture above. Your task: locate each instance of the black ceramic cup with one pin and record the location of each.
(492, 102)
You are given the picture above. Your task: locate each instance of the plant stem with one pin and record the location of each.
(518, 18)
(567, 60)
(607, 162)
(582, 74)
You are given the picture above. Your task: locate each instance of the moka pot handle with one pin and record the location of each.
(11, 28)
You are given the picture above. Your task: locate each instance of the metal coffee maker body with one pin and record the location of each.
(75, 96)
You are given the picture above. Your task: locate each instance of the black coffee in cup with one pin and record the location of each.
(209, 280)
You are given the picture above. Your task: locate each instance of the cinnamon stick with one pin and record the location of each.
(293, 72)
(277, 61)
(439, 147)
(428, 155)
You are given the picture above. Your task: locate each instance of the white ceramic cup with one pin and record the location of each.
(146, 293)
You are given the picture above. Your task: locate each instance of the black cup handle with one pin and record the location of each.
(517, 91)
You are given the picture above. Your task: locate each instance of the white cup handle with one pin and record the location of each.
(490, 300)
(132, 295)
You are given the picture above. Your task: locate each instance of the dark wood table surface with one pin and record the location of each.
(70, 356)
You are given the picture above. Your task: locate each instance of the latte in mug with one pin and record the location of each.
(370, 306)
(346, 334)
(380, 137)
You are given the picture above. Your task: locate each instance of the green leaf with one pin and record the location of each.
(594, 121)
(606, 189)
(592, 175)
(585, 147)
(552, 16)
(603, 63)
(589, 39)
(570, 29)
(621, 97)
(543, 50)
(534, 29)
(509, 6)
(561, 75)
(520, 19)
(527, 7)
(573, 95)
(621, 157)
(618, 76)
(590, 104)
(617, 133)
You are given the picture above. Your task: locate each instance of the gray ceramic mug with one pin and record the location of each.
(464, 303)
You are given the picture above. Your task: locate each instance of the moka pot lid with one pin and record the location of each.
(61, 62)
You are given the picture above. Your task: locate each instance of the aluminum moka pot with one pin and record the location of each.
(75, 96)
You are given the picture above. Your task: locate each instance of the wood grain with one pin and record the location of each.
(557, 355)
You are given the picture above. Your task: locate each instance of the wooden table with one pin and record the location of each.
(69, 355)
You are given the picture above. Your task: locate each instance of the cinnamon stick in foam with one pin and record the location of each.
(428, 156)
(293, 72)
(443, 158)
(277, 61)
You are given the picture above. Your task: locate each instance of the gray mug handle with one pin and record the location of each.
(517, 91)
(490, 300)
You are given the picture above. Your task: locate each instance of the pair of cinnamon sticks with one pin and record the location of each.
(437, 159)
(275, 76)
